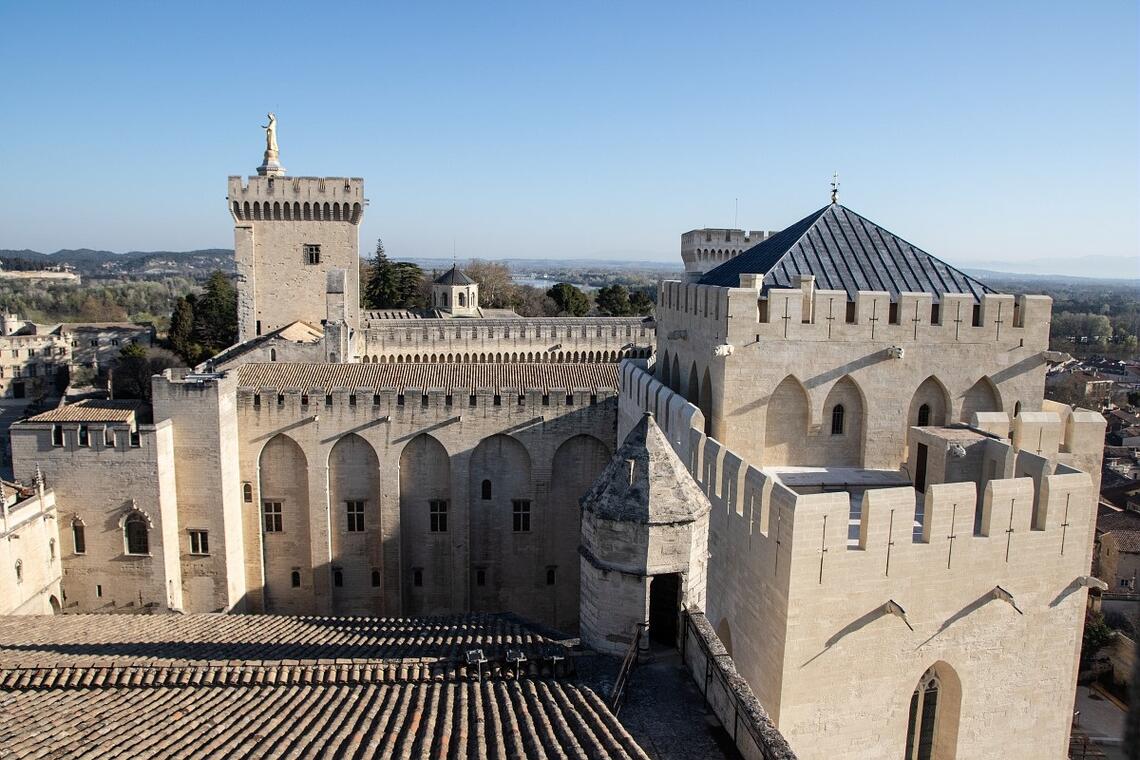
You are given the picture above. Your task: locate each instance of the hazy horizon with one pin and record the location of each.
(979, 133)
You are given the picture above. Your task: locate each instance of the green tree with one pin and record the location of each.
(392, 284)
(1097, 634)
(570, 300)
(215, 314)
(130, 377)
(641, 303)
(181, 334)
(613, 301)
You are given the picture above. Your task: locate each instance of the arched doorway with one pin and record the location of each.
(55, 608)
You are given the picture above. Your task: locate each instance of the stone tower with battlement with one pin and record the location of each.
(289, 234)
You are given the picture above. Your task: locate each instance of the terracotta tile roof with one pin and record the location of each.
(488, 719)
(1126, 540)
(91, 410)
(171, 640)
(520, 376)
(1111, 519)
(268, 686)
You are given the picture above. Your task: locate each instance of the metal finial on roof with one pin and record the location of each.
(835, 187)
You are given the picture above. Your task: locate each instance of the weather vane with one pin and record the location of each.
(835, 187)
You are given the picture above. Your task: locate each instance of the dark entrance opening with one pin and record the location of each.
(920, 469)
(664, 608)
(18, 390)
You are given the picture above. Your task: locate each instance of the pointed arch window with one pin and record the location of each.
(837, 414)
(924, 415)
(921, 724)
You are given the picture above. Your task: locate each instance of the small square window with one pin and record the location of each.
(355, 513)
(272, 512)
(199, 542)
(437, 515)
(520, 509)
(312, 253)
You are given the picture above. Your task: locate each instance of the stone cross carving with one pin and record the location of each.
(271, 133)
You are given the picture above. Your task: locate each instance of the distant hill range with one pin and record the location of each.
(136, 264)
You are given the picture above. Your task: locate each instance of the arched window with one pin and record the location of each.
(462, 300)
(247, 493)
(837, 420)
(273, 354)
(924, 415)
(338, 578)
(19, 571)
(1017, 409)
(375, 579)
(137, 536)
(921, 726)
(486, 490)
(295, 579)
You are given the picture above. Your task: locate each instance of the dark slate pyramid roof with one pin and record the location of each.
(454, 277)
(845, 252)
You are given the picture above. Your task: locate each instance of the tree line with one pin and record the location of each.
(391, 284)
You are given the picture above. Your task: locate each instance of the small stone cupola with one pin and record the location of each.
(644, 545)
(456, 294)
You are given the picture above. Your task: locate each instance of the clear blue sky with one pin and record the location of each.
(978, 130)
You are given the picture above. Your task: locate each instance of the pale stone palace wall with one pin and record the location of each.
(202, 413)
(99, 485)
(312, 452)
(274, 219)
(222, 450)
(790, 357)
(802, 611)
(29, 536)
(530, 339)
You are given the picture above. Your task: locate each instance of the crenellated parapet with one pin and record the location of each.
(296, 199)
(745, 314)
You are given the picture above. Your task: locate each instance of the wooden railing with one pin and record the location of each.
(617, 696)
